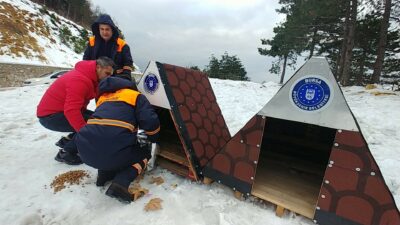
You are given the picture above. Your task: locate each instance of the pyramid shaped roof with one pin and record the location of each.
(314, 97)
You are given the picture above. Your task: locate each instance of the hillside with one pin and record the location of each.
(30, 34)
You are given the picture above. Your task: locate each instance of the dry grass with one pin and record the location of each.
(156, 180)
(16, 27)
(380, 93)
(153, 205)
(370, 86)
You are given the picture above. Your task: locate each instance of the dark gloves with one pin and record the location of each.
(152, 138)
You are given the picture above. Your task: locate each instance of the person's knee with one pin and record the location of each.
(71, 147)
(44, 123)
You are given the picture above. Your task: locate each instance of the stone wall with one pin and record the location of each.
(13, 75)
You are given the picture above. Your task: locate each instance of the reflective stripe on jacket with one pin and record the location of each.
(120, 43)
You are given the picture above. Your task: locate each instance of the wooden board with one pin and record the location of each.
(174, 153)
(173, 167)
(280, 185)
(297, 164)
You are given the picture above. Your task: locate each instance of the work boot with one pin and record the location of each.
(64, 140)
(68, 158)
(119, 192)
(103, 176)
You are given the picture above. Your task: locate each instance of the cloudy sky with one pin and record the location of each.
(187, 32)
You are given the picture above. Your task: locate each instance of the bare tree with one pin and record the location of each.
(348, 53)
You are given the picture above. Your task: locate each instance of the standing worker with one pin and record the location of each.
(106, 42)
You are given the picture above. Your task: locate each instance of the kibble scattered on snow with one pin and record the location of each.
(69, 178)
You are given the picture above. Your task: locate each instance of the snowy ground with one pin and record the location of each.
(27, 167)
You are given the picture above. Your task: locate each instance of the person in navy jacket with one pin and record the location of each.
(106, 42)
(109, 140)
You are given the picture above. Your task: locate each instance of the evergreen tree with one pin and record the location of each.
(282, 46)
(391, 65)
(79, 11)
(194, 68)
(228, 67)
(366, 34)
(213, 68)
(347, 32)
(311, 26)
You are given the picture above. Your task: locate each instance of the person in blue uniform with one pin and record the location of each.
(109, 140)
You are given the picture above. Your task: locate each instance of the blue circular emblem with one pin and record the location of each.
(151, 83)
(311, 93)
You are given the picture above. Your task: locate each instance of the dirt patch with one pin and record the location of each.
(13, 75)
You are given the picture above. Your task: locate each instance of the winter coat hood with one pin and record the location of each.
(112, 84)
(104, 19)
(88, 69)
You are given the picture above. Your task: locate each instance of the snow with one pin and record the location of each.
(378, 117)
(27, 166)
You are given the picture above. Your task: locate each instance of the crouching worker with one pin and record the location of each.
(109, 140)
(63, 107)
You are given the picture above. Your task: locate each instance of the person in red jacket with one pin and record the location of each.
(63, 106)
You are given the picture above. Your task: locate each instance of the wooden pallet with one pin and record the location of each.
(279, 185)
(173, 158)
(207, 180)
(173, 167)
(173, 153)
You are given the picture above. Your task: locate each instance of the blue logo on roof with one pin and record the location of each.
(311, 93)
(151, 83)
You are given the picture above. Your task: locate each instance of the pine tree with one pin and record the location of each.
(311, 26)
(366, 38)
(284, 46)
(346, 32)
(228, 67)
(79, 11)
(194, 68)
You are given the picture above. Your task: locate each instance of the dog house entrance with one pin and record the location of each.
(292, 163)
(172, 154)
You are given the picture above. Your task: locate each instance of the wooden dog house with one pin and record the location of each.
(304, 152)
(192, 126)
